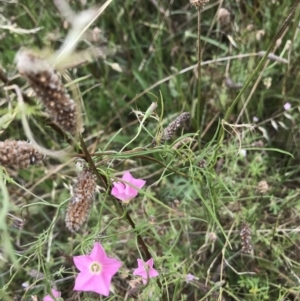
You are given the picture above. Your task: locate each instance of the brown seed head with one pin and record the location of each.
(18, 154)
(172, 127)
(223, 17)
(202, 163)
(199, 3)
(81, 202)
(47, 85)
(245, 235)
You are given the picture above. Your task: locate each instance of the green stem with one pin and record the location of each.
(200, 103)
(117, 204)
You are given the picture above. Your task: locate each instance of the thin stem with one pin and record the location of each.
(200, 104)
(258, 68)
(265, 57)
(117, 204)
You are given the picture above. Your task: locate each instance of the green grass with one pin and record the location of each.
(197, 197)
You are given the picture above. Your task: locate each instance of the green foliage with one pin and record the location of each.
(197, 196)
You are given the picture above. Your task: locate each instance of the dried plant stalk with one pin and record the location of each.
(172, 128)
(18, 154)
(47, 85)
(81, 202)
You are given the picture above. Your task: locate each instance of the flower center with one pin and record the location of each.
(95, 268)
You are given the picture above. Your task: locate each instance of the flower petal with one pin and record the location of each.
(55, 293)
(139, 183)
(130, 192)
(127, 176)
(150, 262)
(117, 189)
(141, 263)
(93, 283)
(140, 272)
(153, 273)
(98, 254)
(83, 281)
(122, 196)
(104, 280)
(82, 262)
(145, 270)
(110, 266)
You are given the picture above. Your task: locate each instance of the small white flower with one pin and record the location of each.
(25, 284)
(243, 152)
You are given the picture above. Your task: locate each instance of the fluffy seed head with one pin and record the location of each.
(263, 187)
(18, 154)
(223, 17)
(212, 236)
(81, 202)
(47, 85)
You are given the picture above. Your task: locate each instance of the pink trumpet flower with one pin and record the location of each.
(96, 271)
(127, 190)
(145, 270)
(55, 293)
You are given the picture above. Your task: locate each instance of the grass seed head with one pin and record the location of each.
(81, 202)
(245, 235)
(47, 85)
(173, 127)
(18, 154)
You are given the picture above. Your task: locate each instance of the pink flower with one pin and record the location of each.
(96, 271)
(287, 106)
(145, 270)
(127, 190)
(190, 277)
(55, 293)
